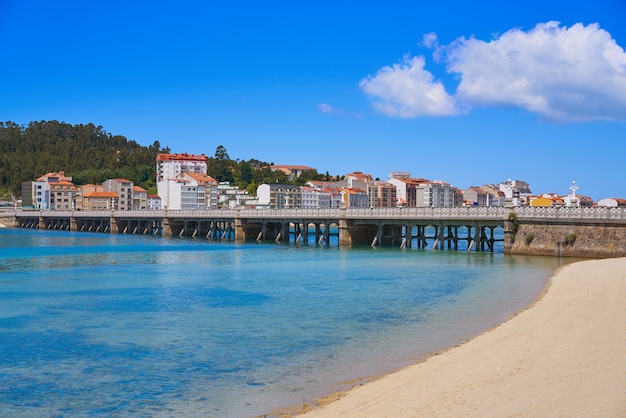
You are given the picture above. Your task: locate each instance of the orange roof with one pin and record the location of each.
(202, 179)
(360, 175)
(139, 189)
(181, 157)
(60, 175)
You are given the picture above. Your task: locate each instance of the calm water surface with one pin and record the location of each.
(118, 325)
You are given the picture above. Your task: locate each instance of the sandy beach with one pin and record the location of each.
(563, 357)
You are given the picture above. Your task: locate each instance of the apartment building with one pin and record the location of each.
(53, 191)
(516, 191)
(171, 169)
(279, 196)
(381, 194)
(313, 198)
(124, 190)
(475, 196)
(140, 198)
(197, 191)
(154, 202)
(100, 200)
(355, 198)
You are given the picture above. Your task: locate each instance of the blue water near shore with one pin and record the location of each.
(119, 325)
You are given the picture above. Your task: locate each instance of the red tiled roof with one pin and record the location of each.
(181, 157)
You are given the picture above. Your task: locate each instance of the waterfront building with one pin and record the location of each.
(279, 196)
(62, 195)
(495, 196)
(406, 188)
(612, 202)
(439, 194)
(170, 168)
(381, 194)
(140, 198)
(196, 191)
(83, 191)
(475, 196)
(154, 202)
(231, 197)
(53, 191)
(313, 198)
(420, 192)
(100, 200)
(28, 192)
(516, 191)
(355, 198)
(124, 190)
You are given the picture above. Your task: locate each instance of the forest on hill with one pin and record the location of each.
(90, 155)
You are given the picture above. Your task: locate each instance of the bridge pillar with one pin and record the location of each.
(166, 227)
(113, 227)
(345, 239)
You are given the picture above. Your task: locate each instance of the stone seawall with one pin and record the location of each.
(585, 241)
(7, 221)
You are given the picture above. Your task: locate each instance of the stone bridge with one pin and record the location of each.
(569, 231)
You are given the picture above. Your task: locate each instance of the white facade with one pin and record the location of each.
(516, 191)
(231, 197)
(315, 199)
(154, 202)
(170, 168)
(279, 196)
(54, 191)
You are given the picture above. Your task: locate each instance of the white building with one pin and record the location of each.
(154, 202)
(170, 168)
(313, 198)
(516, 191)
(420, 192)
(279, 196)
(54, 191)
(192, 191)
(231, 197)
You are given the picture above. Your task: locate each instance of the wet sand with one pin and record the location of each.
(564, 356)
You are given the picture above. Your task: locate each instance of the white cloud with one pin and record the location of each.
(331, 110)
(327, 109)
(407, 90)
(564, 74)
(574, 74)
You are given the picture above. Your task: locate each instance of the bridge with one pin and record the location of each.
(523, 230)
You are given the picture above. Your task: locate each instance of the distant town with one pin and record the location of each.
(183, 184)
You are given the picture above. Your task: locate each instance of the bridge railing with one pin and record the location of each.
(571, 213)
(490, 213)
(471, 213)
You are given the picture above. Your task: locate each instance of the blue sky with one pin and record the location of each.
(464, 92)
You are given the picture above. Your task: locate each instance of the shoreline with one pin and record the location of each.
(561, 355)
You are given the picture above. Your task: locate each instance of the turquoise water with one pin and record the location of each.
(119, 325)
